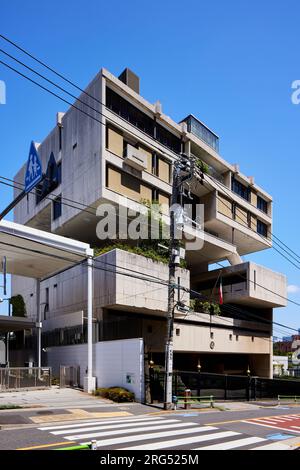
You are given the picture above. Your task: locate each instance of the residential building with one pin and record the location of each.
(123, 154)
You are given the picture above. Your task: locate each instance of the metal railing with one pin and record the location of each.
(294, 398)
(22, 378)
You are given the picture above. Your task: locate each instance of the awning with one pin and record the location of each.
(34, 253)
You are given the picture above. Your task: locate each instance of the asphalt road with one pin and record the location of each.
(250, 429)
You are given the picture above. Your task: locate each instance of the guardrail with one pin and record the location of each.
(188, 400)
(293, 398)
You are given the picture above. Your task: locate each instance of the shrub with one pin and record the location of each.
(117, 394)
(18, 306)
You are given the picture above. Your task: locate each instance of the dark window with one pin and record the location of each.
(127, 111)
(240, 189)
(262, 204)
(58, 176)
(168, 139)
(262, 228)
(230, 337)
(155, 164)
(57, 208)
(177, 331)
(211, 335)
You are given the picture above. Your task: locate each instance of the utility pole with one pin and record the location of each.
(182, 165)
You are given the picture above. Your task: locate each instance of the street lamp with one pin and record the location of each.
(248, 371)
(199, 366)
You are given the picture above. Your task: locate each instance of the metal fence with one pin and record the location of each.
(22, 378)
(221, 386)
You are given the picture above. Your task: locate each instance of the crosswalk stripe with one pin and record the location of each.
(182, 442)
(125, 431)
(272, 426)
(105, 427)
(264, 421)
(233, 444)
(89, 423)
(273, 446)
(150, 436)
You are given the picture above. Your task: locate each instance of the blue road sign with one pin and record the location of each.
(34, 172)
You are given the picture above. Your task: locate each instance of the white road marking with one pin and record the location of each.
(233, 444)
(104, 427)
(102, 421)
(155, 435)
(181, 442)
(126, 431)
(273, 446)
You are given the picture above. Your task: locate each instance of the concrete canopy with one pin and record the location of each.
(8, 324)
(37, 254)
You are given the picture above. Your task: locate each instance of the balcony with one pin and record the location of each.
(247, 283)
(122, 292)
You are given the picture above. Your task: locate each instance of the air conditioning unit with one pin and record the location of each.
(135, 158)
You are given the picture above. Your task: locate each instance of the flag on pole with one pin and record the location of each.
(220, 292)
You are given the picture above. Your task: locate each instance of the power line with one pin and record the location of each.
(86, 104)
(222, 266)
(92, 117)
(69, 205)
(264, 238)
(229, 308)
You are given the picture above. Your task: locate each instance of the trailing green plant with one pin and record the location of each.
(211, 308)
(117, 394)
(18, 306)
(147, 247)
(202, 166)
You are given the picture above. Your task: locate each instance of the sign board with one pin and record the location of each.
(34, 172)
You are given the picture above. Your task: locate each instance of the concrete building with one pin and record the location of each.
(123, 155)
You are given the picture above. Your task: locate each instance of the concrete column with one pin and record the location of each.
(89, 380)
(39, 323)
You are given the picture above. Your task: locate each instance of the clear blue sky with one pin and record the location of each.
(229, 63)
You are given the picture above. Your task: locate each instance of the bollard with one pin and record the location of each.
(175, 401)
(211, 401)
(93, 444)
(187, 398)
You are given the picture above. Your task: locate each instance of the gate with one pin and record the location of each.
(69, 376)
